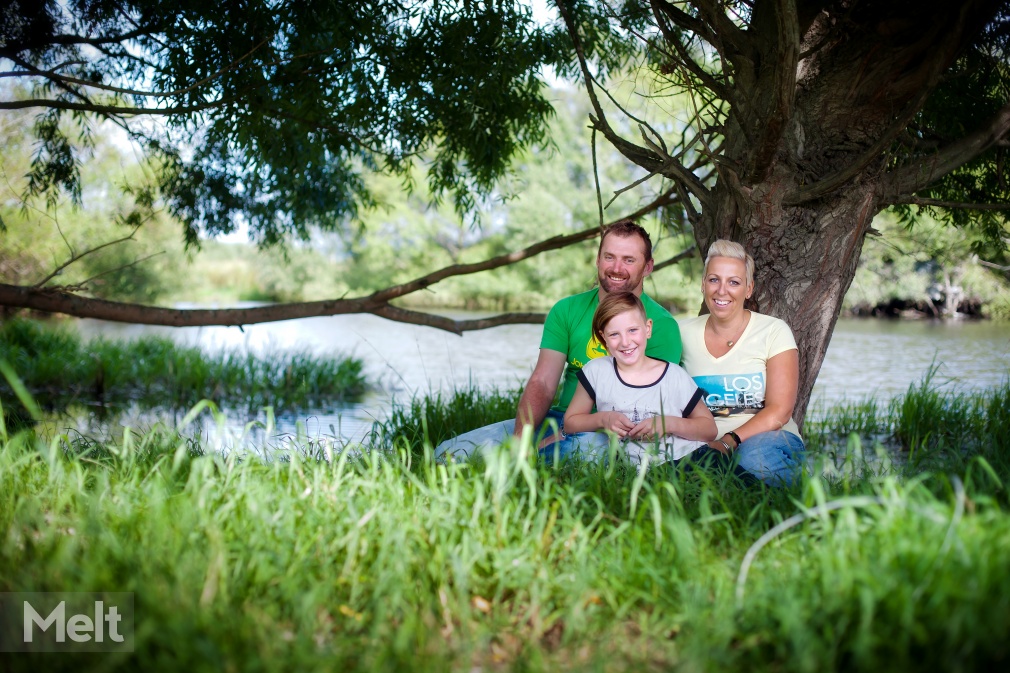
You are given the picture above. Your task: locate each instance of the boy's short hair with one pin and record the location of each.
(624, 229)
(613, 305)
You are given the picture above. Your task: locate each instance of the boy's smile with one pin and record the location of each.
(626, 335)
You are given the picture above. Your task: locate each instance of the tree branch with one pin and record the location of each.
(59, 301)
(109, 109)
(659, 9)
(692, 24)
(457, 326)
(644, 157)
(78, 287)
(938, 203)
(66, 79)
(639, 155)
(911, 178)
(69, 40)
(553, 243)
(75, 257)
(998, 267)
(679, 257)
(722, 27)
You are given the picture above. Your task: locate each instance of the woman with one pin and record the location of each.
(748, 366)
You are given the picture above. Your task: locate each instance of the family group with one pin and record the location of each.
(717, 389)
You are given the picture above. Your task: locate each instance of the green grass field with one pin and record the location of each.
(327, 559)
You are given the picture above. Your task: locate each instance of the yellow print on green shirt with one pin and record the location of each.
(594, 349)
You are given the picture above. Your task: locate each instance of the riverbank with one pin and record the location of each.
(333, 559)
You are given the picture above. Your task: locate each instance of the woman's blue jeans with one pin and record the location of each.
(777, 457)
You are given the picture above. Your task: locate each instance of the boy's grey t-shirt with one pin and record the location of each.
(673, 394)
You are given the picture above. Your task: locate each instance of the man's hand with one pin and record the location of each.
(549, 441)
(540, 389)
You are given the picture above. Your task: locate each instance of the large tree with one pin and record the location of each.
(813, 116)
(809, 117)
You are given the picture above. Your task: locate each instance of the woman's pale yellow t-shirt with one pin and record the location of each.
(734, 385)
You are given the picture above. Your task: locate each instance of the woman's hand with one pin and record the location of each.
(720, 447)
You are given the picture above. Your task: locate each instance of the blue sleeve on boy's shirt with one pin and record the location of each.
(584, 380)
(695, 398)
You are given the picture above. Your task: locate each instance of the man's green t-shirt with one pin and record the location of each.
(569, 330)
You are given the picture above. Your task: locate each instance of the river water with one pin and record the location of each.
(866, 357)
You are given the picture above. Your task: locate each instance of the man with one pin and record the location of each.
(623, 261)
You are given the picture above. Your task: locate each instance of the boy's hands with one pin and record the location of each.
(622, 426)
(657, 426)
(650, 428)
(616, 422)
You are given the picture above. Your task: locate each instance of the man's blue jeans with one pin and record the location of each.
(474, 442)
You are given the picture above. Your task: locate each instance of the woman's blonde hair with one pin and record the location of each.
(724, 248)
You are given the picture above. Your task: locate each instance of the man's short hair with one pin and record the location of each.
(614, 304)
(625, 228)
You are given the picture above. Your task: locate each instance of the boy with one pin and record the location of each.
(644, 401)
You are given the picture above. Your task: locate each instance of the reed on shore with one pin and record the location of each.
(60, 369)
(343, 558)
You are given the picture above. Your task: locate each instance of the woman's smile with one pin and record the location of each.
(725, 286)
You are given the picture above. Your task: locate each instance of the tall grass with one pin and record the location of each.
(930, 427)
(384, 560)
(953, 423)
(430, 419)
(60, 369)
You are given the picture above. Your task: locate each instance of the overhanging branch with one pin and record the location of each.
(52, 300)
(58, 301)
(554, 243)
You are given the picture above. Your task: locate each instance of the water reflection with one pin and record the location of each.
(883, 357)
(866, 357)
